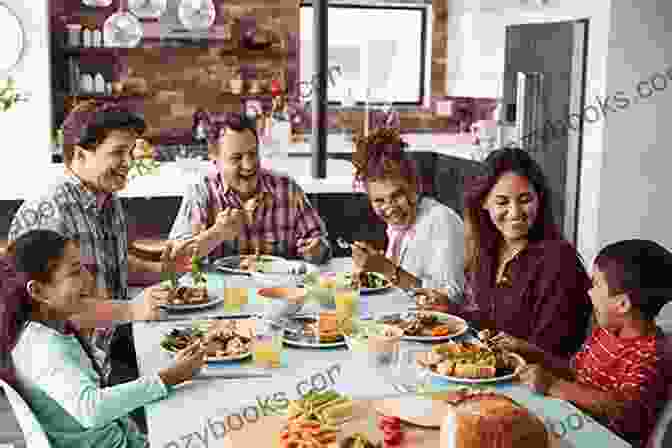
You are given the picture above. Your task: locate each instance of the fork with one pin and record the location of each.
(342, 243)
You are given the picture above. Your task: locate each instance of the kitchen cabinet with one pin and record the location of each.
(450, 178)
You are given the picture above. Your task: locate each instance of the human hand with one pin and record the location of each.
(309, 247)
(229, 223)
(426, 298)
(148, 308)
(505, 341)
(537, 378)
(177, 255)
(188, 363)
(366, 259)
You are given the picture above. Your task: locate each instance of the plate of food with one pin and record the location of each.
(426, 326)
(471, 363)
(366, 282)
(184, 298)
(226, 340)
(301, 332)
(250, 264)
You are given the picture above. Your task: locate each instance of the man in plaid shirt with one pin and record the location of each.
(83, 205)
(240, 208)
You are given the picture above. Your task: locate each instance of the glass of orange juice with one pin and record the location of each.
(347, 307)
(267, 343)
(235, 298)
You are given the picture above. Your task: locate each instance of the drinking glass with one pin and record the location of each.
(235, 298)
(411, 375)
(373, 344)
(267, 343)
(347, 307)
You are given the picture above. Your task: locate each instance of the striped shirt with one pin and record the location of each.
(283, 216)
(70, 209)
(629, 367)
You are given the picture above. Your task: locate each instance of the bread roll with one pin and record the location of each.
(492, 421)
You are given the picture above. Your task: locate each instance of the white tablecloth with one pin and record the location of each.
(193, 414)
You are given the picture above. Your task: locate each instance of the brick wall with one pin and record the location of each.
(180, 80)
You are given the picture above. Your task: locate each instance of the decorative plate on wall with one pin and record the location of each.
(122, 29)
(197, 14)
(13, 39)
(97, 3)
(148, 9)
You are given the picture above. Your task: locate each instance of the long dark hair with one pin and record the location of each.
(32, 256)
(640, 268)
(481, 236)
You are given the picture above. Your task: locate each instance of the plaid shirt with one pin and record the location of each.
(73, 211)
(629, 367)
(283, 216)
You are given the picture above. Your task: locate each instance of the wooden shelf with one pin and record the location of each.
(106, 97)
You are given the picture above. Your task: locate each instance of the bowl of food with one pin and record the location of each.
(281, 302)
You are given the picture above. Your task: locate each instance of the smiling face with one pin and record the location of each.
(513, 205)
(68, 281)
(238, 161)
(106, 169)
(609, 309)
(393, 200)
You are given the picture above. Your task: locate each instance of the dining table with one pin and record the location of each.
(225, 397)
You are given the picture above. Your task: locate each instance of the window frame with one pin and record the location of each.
(425, 47)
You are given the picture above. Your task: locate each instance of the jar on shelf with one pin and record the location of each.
(74, 34)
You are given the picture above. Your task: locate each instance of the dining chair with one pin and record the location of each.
(33, 433)
(662, 432)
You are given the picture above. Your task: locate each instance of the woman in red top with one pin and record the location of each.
(522, 277)
(621, 373)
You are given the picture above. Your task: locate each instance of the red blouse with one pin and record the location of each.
(545, 302)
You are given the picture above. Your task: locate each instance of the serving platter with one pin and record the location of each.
(461, 326)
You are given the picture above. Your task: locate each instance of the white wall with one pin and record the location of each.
(476, 63)
(636, 176)
(26, 128)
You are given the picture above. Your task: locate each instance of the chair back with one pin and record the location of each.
(32, 430)
(662, 433)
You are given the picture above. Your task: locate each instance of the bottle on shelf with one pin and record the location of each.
(87, 38)
(99, 84)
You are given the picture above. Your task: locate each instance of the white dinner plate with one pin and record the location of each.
(307, 344)
(498, 379)
(196, 306)
(232, 264)
(443, 317)
(231, 358)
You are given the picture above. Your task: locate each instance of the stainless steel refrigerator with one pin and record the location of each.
(544, 82)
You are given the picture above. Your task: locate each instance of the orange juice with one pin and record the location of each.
(347, 307)
(267, 344)
(235, 298)
(266, 353)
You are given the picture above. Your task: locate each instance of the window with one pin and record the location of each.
(379, 49)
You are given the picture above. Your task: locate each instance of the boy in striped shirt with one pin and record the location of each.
(621, 373)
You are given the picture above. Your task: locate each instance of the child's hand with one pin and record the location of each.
(537, 378)
(188, 363)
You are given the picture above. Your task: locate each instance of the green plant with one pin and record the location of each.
(9, 94)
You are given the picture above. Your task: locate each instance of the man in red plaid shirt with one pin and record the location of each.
(622, 372)
(241, 208)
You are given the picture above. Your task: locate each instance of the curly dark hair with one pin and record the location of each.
(381, 155)
(90, 122)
